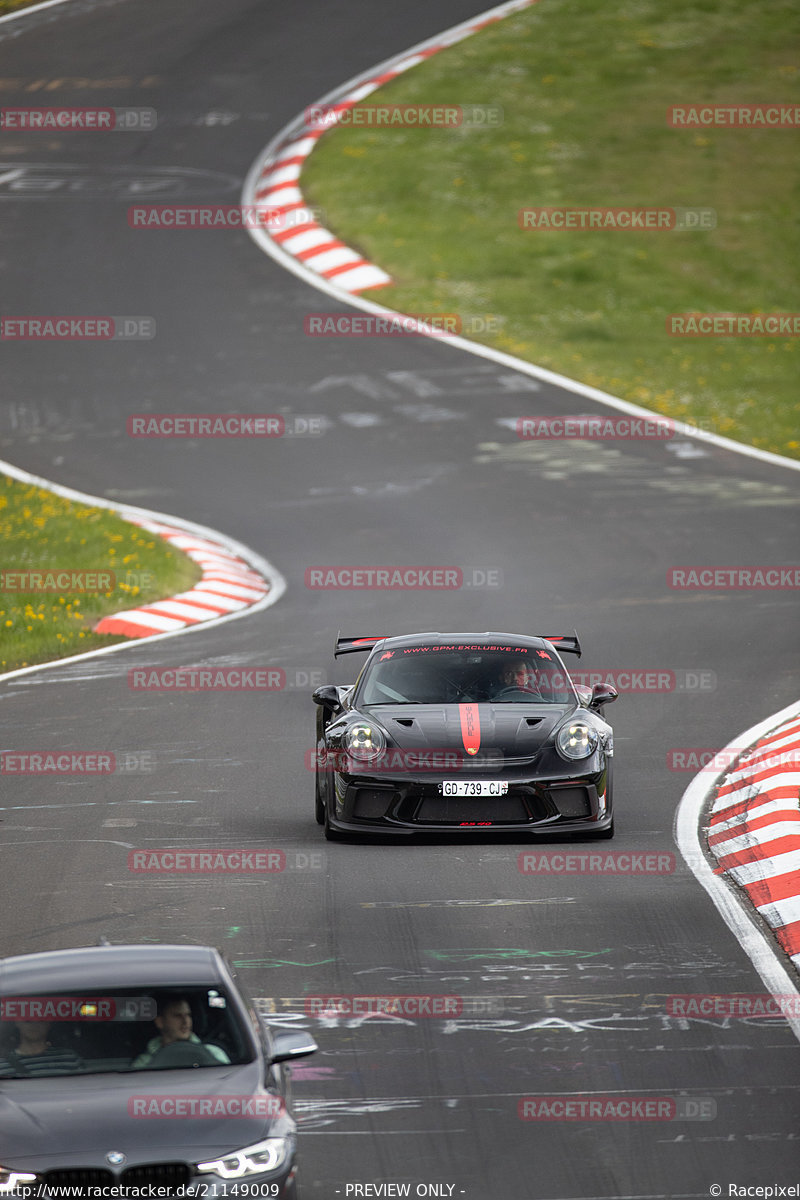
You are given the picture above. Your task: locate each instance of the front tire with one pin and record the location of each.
(331, 834)
(606, 834)
(319, 803)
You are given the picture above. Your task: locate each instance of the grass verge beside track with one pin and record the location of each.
(585, 87)
(12, 6)
(43, 532)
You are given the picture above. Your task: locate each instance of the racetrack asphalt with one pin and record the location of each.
(413, 468)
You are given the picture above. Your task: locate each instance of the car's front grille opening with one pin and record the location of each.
(164, 1175)
(77, 1177)
(572, 801)
(370, 804)
(158, 1175)
(473, 810)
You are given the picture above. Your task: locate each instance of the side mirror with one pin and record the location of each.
(602, 693)
(327, 696)
(291, 1043)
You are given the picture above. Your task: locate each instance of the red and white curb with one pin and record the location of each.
(754, 831)
(274, 182)
(237, 582)
(228, 585)
(752, 874)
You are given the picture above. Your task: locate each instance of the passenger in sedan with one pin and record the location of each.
(34, 1055)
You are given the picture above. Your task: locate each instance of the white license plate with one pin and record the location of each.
(476, 787)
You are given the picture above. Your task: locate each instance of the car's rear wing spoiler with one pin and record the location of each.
(351, 645)
(569, 645)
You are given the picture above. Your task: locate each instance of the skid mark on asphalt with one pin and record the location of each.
(622, 470)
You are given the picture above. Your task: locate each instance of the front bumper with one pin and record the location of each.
(166, 1179)
(280, 1186)
(415, 804)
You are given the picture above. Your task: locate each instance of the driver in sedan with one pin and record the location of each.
(174, 1023)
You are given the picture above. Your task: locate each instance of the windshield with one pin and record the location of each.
(463, 675)
(143, 1029)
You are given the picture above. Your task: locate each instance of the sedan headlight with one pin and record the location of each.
(10, 1180)
(577, 740)
(364, 741)
(269, 1155)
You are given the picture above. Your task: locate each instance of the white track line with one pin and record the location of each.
(34, 8)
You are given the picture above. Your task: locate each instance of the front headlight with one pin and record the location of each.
(269, 1155)
(364, 741)
(10, 1180)
(576, 741)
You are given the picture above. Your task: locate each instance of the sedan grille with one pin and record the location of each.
(79, 1177)
(158, 1175)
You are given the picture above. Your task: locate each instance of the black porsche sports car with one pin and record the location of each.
(463, 732)
(136, 1070)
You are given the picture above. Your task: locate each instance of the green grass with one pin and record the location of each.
(40, 531)
(10, 6)
(585, 86)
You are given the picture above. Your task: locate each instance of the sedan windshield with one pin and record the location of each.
(453, 675)
(147, 1029)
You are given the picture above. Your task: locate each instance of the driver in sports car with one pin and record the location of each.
(174, 1022)
(519, 675)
